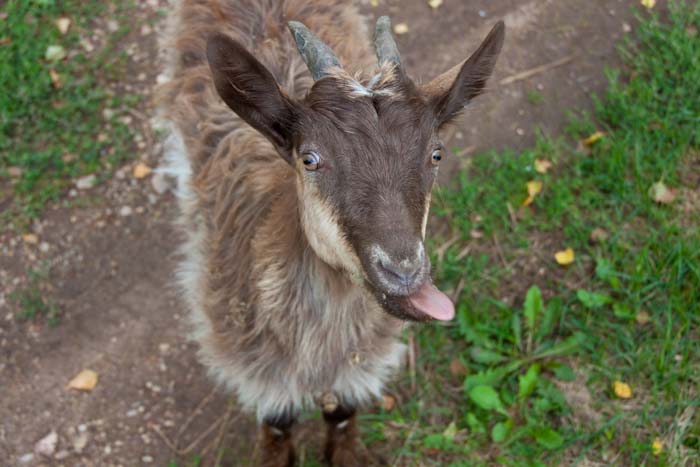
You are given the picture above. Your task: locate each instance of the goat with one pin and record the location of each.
(304, 180)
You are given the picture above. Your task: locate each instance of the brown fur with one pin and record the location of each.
(276, 448)
(281, 266)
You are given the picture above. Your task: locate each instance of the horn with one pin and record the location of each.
(316, 54)
(384, 44)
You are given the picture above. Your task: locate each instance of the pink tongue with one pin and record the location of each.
(429, 300)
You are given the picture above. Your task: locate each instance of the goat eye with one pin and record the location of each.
(436, 157)
(312, 161)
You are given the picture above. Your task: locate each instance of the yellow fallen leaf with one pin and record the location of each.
(86, 380)
(141, 170)
(565, 257)
(388, 402)
(374, 3)
(649, 3)
(435, 4)
(622, 390)
(542, 166)
(642, 317)
(594, 138)
(533, 189)
(401, 28)
(55, 79)
(30, 239)
(657, 446)
(662, 194)
(599, 235)
(63, 24)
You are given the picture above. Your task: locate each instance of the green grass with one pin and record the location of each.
(50, 135)
(542, 344)
(30, 300)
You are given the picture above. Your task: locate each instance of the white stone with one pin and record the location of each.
(79, 442)
(86, 182)
(46, 446)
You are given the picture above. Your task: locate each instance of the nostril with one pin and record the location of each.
(406, 275)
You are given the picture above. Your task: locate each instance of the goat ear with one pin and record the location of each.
(450, 92)
(251, 91)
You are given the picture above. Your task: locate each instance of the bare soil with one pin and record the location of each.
(111, 274)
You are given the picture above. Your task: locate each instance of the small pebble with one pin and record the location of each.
(147, 459)
(86, 182)
(125, 211)
(46, 446)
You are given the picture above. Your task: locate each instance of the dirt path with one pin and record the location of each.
(111, 262)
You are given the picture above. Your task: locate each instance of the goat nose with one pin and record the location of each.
(404, 272)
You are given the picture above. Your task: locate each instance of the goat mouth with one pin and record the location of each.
(425, 304)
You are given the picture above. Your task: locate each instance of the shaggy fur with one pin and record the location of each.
(297, 280)
(275, 323)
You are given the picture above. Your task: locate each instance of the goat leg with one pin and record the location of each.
(276, 444)
(344, 448)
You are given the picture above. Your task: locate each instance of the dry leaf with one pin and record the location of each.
(476, 234)
(660, 193)
(86, 380)
(30, 239)
(141, 170)
(565, 257)
(542, 166)
(374, 3)
(649, 3)
(14, 171)
(5, 41)
(388, 402)
(457, 368)
(401, 28)
(435, 4)
(657, 446)
(622, 390)
(63, 24)
(533, 189)
(642, 317)
(594, 138)
(55, 53)
(55, 79)
(599, 235)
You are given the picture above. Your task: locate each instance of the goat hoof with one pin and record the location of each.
(279, 458)
(351, 453)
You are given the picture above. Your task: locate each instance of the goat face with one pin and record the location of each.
(366, 157)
